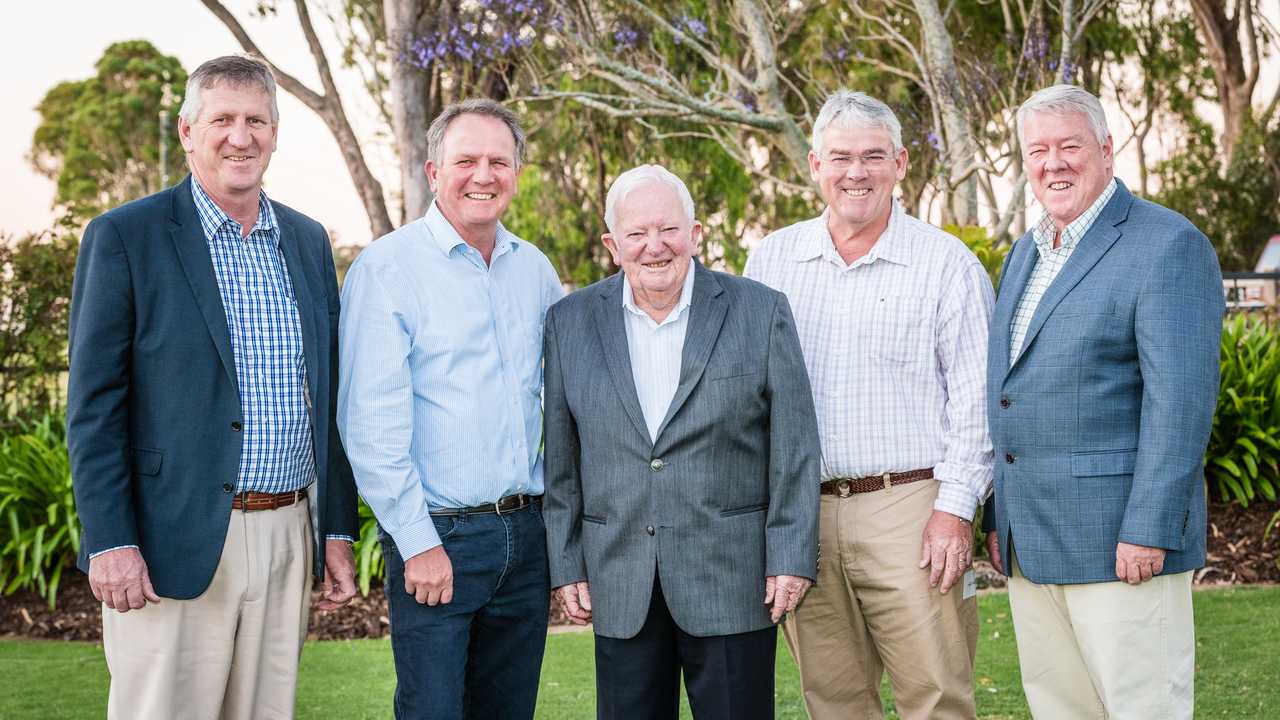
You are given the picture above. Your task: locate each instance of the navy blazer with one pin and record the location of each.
(153, 404)
(1100, 425)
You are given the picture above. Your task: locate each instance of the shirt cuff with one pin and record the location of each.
(955, 498)
(118, 547)
(348, 538)
(416, 538)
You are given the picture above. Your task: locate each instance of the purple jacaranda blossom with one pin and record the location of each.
(625, 38)
(934, 141)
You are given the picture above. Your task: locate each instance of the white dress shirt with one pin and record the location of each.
(656, 349)
(896, 349)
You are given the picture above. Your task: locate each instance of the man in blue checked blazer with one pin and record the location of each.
(1102, 381)
(207, 469)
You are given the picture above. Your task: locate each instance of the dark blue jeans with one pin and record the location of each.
(478, 657)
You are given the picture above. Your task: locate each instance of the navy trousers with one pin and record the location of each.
(478, 657)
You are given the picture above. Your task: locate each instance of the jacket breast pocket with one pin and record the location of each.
(1103, 463)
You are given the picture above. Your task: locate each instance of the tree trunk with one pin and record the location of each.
(961, 150)
(1234, 74)
(413, 106)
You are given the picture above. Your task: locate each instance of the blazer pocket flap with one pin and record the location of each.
(758, 507)
(146, 462)
(1112, 462)
(725, 372)
(596, 519)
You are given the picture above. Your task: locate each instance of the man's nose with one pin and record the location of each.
(240, 135)
(483, 173)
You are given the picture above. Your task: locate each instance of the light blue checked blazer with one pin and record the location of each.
(1100, 425)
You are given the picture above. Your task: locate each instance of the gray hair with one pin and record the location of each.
(639, 176)
(852, 110)
(235, 70)
(1066, 100)
(473, 106)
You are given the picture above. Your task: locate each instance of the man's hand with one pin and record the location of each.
(784, 593)
(339, 584)
(428, 577)
(993, 549)
(947, 546)
(119, 579)
(1136, 564)
(575, 598)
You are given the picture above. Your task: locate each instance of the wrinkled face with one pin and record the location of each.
(477, 174)
(1067, 166)
(856, 173)
(229, 145)
(653, 242)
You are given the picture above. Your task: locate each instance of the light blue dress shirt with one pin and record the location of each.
(440, 374)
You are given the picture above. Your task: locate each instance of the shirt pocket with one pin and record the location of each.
(902, 327)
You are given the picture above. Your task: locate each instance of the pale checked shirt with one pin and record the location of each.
(896, 349)
(656, 350)
(1049, 263)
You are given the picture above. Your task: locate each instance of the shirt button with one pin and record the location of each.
(227, 487)
(649, 530)
(236, 425)
(655, 465)
(1004, 401)
(1008, 458)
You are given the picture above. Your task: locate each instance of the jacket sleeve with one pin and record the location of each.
(100, 348)
(562, 503)
(791, 529)
(1178, 328)
(340, 517)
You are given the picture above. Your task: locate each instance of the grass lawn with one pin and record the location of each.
(1237, 649)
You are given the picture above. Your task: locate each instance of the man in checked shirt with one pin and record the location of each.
(200, 422)
(892, 315)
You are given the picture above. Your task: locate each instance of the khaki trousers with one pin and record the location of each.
(872, 610)
(231, 653)
(1106, 650)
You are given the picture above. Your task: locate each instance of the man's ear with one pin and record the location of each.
(184, 134)
(431, 171)
(612, 245)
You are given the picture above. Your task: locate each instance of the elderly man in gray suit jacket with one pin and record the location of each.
(1102, 381)
(681, 466)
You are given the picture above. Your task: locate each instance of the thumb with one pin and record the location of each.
(584, 597)
(326, 585)
(147, 591)
(924, 552)
(770, 586)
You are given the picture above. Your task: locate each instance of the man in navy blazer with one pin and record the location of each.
(200, 422)
(1102, 381)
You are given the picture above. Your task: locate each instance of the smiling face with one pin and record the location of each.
(654, 243)
(230, 143)
(1067, 165)
(477, 174)
(856, 173)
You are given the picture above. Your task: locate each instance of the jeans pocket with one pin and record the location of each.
(446, 525)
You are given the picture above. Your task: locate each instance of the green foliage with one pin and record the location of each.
(368, 551)
(1244, 449)
(989, 252)
(35, 300)
(39, 529)
(99, 138)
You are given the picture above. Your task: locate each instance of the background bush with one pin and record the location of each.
(39, 530)
(1243, 457)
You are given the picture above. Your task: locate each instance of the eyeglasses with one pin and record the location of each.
(874, 160)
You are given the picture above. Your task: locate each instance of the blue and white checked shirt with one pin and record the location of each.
(266, 340)
(439, 397)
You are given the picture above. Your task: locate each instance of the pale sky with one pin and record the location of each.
(54, 40)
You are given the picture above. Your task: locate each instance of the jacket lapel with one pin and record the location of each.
(706, 315)
(303, 301)
(1095, 243)
(193, 253)
(612, 329)
(1012, 285)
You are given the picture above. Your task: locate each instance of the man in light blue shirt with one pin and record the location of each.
(439, 408)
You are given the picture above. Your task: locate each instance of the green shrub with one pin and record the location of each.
(369, 565)
(39, 530)
(1244, 453)
(990, 253)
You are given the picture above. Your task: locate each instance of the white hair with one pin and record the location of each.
(637, 177)
(235, 70)
(1065, 100)
(855, 110)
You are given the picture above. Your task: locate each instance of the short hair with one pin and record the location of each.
(850, 110)
(234, 70)
(1066, 100)
(637, 177)
(472, 106)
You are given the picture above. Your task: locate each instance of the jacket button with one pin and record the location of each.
(1008, 457)
(236, 425)
(655, 465)
(227, 487)
(1004, 401)
(649, 529)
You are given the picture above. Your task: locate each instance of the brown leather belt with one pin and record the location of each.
(510, 503)
(844, 487)
(250, 501)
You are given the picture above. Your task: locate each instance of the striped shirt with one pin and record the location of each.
(656, 349)
(896, 349)
(266, 340)
(1049, 264)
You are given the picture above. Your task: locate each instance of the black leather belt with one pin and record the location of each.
(510, 503)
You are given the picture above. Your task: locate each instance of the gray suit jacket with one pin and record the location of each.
(726, 496)
(1101, 423)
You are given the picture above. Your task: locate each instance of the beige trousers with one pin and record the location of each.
(231, 653)
(1106, 650)
(872, 610)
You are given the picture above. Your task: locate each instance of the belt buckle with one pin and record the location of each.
(888, 482)
(843, 488)
(497, 507)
